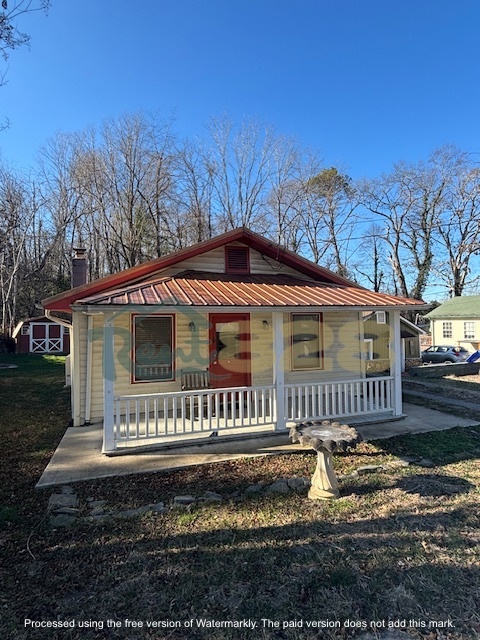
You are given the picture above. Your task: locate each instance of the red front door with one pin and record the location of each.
(230, 353)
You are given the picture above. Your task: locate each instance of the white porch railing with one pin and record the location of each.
(338, 399)
(168, 416)
(164, 417)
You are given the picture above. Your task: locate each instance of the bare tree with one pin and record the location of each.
(92, 226)
(430, 214)
(19, 234)
(287, 191)
(459, 228)
(10, 36)
(408, 203)
(328, 216)
(61, 198)
(239, 163)
(194, 192)
(370, 264)
(138, 177)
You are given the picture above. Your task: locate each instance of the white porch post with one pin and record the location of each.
(108, 383)
(396, 361)
(77, 320)
(278, 369)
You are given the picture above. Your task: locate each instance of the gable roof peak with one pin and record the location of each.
(62, 301)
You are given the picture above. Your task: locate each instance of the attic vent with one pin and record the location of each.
(237, 259)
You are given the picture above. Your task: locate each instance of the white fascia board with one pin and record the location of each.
(144, 308)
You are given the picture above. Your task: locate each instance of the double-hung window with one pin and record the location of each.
(152, 348)
(447, 330)
(469, 330)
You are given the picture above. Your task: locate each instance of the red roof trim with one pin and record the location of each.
(62, 301)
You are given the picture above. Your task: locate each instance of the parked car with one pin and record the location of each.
(445, 354)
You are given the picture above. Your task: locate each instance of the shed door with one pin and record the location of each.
(45, 337)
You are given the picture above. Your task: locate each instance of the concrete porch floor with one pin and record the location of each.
(78, 456)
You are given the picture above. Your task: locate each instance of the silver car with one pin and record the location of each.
(445, 354)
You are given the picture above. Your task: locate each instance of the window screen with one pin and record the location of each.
(153, 348)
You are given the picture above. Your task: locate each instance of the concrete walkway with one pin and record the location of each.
(78, 456)
(442, 400)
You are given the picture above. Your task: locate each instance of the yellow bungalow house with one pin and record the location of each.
(376, 336)
(232, 335)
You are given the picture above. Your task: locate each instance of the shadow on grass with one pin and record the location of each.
(369, 569)
(441, 447)
(434, 485)
(424, 485)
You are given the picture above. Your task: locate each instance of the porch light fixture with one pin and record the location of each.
(265, 324)
(191, 326)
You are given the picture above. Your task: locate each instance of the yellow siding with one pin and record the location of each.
(97, 368)
(261, 348)
(341, 347)
(380, 334)
(79, 335)
(458, 335)
(191, 352)
(341, 338)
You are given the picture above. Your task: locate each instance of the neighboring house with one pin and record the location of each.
(41, 335)
(376, 337)
(456, 322)
(233, 335)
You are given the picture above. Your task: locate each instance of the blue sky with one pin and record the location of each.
(366, 83)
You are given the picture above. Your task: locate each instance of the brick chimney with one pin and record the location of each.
(79, 267)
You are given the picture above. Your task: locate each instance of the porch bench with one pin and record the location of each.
(196, 380)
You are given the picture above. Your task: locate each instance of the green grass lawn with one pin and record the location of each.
(401, 546)
(34, 413)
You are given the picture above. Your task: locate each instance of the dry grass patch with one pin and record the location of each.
(400, 544)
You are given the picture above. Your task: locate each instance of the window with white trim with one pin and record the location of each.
(447, 329)
(152, 348)
(469, 330)
(25, 330)
(368, 346)
(307, 343)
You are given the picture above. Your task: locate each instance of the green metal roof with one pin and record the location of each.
(459, 307)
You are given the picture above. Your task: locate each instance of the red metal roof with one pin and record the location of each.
(200, 289)
(62, 301)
